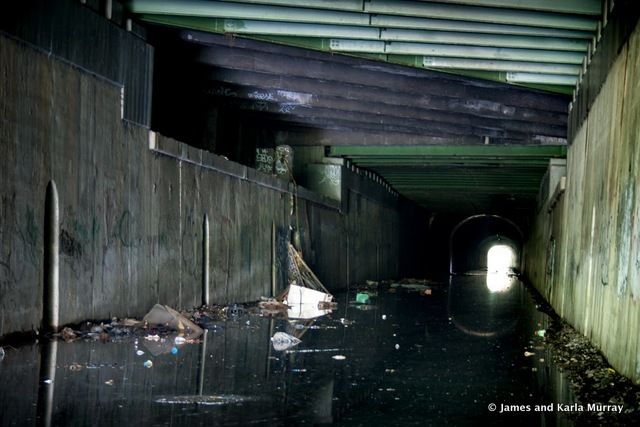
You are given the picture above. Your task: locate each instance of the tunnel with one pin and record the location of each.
(484, 243)
(301, 212)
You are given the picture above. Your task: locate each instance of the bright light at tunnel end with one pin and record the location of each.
(501, 261)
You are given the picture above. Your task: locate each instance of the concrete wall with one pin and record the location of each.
(584, 252)
(132, 207)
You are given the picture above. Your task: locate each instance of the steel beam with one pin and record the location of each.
(499, 65)
(218, 9)
(394, 21)
(466, 150)
(481, 14)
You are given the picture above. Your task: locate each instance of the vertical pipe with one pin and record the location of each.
(273, 259)
(205, 260)
(51, 291)
(108, 9)
(348, 266)
(377, 262)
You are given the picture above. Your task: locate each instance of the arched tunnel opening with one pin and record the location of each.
(485, 244)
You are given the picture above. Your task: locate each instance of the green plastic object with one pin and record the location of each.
(362, 298)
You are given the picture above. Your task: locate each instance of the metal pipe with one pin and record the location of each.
(481, 14)
(243, 26)
(533, 55)
(51, 296)
(552, 79)
(497, 65)
(205, 260)
(586, 7)
(479, 39)
(349, 5)
(274, 248)
(392, 21)
(218, 9)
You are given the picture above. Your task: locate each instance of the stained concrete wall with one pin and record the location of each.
(132, 207)
(584, 251)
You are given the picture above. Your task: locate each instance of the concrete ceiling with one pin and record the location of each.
(453, 142)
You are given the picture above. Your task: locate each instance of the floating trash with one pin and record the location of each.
(148, 364)
(139, 352)
(541, 333)
(397, 346)
(179, 340)
(109, 382)
(282, 341)
(384, 317)
(174, 350)
(528, 354)
(338, 357)
(229, 399)
(48, 381)
(315, 350)
(362, 298)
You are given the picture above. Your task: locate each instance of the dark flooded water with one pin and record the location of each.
(403, 359)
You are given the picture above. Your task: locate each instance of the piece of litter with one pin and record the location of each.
(48, 381)
(338, 357)
(528, 354)
(397, 346)
(362, 298)
(283, 341)
(139, 352)
(384, 317)
(152, 337)
(109, 382)
(174, 350)
(168, 317)
(179, 340)
(147, 364)
(541, 333)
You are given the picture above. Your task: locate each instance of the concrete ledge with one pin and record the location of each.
(185, 153)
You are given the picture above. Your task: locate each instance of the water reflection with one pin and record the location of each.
(408, 359)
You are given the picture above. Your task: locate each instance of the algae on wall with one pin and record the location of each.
(584, 255)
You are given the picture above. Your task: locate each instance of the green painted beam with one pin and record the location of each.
(393, 21)
(379, 164)
(479, 39)
(218, 9)
(586, 7)
(499, 65)
(452, 150)
(348, 5)
(276, 28)
(481, 14)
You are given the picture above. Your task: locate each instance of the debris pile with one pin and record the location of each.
(306, 297)
(592, 379)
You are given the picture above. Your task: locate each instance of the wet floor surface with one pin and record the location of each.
(402, 359)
